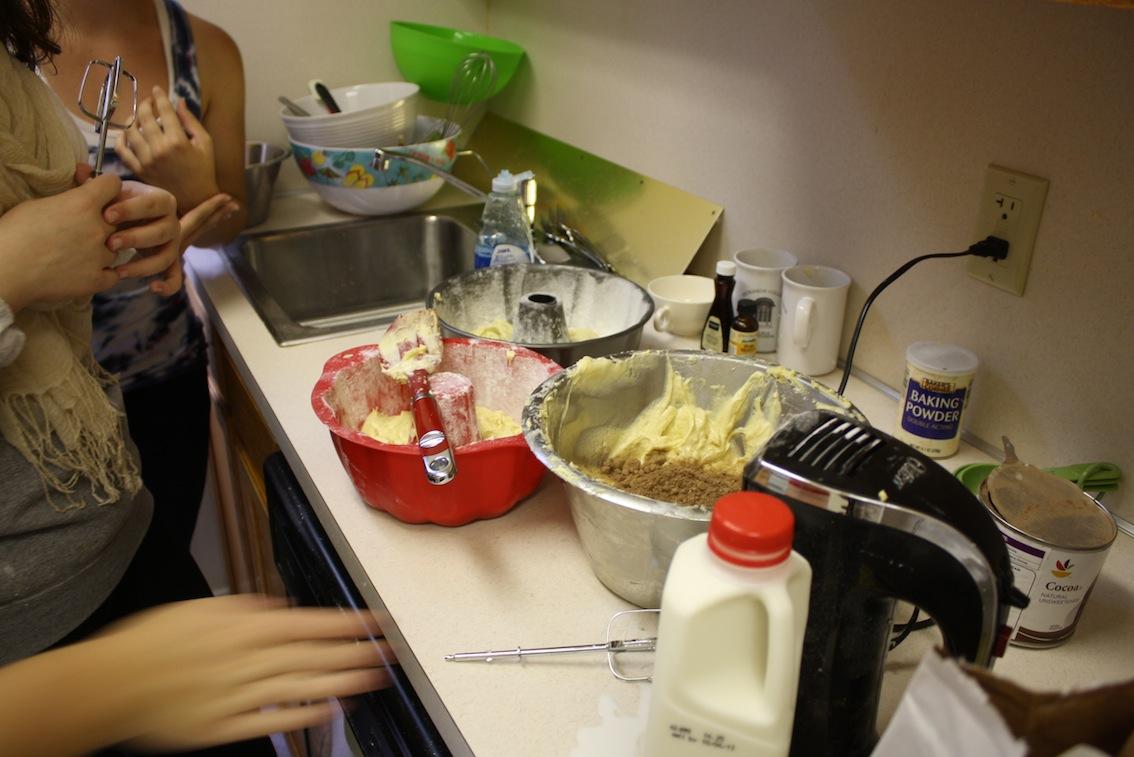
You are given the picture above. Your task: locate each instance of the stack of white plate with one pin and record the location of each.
(378, 115)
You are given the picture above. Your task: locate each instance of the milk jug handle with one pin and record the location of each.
(780, 674)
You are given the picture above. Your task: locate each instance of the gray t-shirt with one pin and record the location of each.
(56, 567)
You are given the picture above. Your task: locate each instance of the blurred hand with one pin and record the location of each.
(146, 217)
(168, 147)
(55, 248)
(201, 671)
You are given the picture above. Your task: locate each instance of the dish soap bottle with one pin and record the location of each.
(714, 335)
(730, 637)
(505, 234)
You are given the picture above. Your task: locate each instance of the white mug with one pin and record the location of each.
(681, 303)
(811, 318)
(758, 288)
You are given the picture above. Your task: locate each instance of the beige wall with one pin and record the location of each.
(853, 133)
(285, 43)
(857, 134)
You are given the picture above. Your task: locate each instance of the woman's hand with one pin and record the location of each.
(199, 672)
(168, 147)
(146, 217)
(206, 218)
(191, 675)
(55, 248)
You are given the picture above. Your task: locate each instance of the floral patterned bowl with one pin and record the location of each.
(347, 178)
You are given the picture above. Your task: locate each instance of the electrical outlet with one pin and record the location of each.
(1010, 208)
(1008, 211)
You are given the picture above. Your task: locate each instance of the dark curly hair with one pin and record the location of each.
(25, 26)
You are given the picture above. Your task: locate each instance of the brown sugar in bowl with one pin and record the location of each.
(492, 475)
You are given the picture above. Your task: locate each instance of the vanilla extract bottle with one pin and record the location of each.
(714, 335)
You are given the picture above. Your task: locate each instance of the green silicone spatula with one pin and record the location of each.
(1091, 477)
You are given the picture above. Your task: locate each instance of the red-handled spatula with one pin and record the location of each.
(411, 350)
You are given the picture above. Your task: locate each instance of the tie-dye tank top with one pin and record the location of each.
(138, 335)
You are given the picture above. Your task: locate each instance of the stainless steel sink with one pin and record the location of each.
(324, 281)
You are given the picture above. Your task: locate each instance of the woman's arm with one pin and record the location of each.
(62, 247)
(55, 248)
(190, 675)
(222, 85)
(60, 703)
(197, 159)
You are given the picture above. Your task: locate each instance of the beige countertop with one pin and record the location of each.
(522, 579)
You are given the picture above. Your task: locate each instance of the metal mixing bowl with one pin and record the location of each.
(629, 539)
(616, 308)
(261, 167)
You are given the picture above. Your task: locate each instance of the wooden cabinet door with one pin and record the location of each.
(254, 514)
(246, 444)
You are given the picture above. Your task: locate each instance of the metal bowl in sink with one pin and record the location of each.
(603, 313)
(629, 539)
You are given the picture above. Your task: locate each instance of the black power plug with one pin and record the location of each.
(994, 248)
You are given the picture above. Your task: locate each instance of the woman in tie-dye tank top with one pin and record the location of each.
(189, 140)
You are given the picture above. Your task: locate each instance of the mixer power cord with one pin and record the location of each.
(902, 630)
(989, 247)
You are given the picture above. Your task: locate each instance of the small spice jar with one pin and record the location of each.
(743, 335)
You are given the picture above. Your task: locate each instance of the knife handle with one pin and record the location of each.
(436, 452)
(323, 95)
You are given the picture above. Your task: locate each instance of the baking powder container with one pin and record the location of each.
(935, 393)
(1056, 552)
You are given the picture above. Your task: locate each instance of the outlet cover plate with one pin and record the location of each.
(1011, 207)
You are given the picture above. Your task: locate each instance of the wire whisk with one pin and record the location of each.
(472, 82)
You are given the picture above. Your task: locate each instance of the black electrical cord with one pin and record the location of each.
(989, 247)
(913, 624)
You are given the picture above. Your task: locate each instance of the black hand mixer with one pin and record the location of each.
(879, 522)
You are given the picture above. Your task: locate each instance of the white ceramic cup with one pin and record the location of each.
(681, 303)
(758, 288)
(811, 318)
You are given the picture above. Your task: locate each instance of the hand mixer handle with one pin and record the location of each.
(861, 569)
(436, 452)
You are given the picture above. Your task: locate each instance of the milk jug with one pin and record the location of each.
(730, 636)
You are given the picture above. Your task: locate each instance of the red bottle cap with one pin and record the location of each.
(751, 529)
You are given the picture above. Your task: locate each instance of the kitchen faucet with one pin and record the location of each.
(382, 158)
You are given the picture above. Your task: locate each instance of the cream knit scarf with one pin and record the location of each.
(53, 403)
